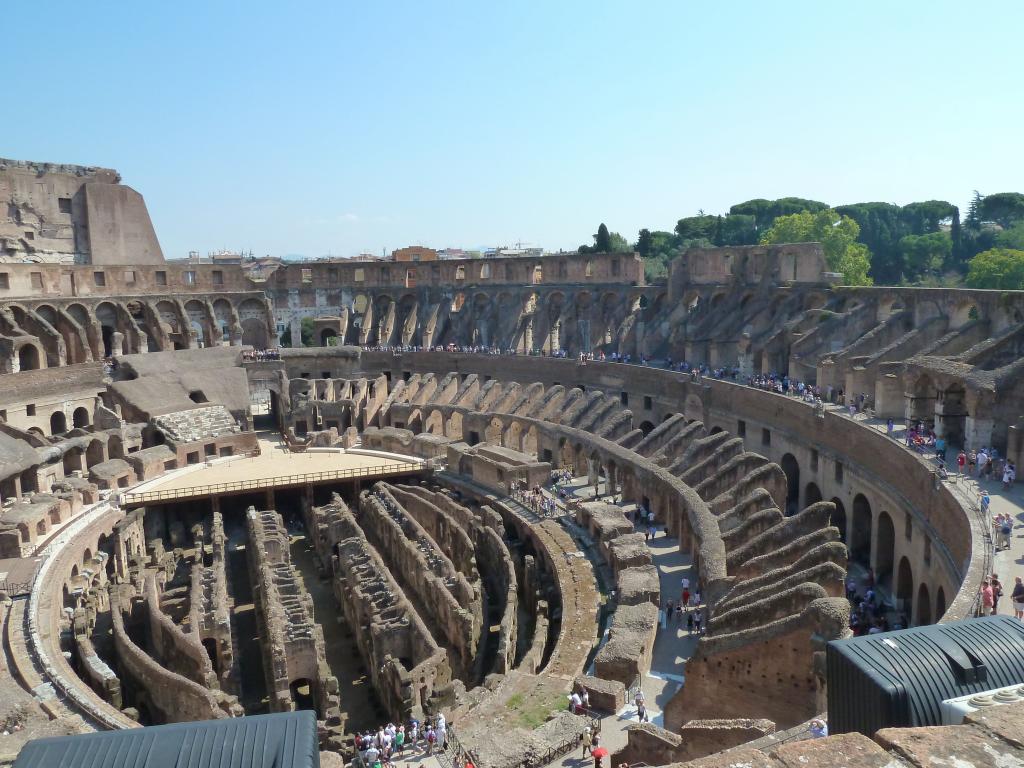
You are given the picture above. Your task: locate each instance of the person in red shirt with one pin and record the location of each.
(961, 462)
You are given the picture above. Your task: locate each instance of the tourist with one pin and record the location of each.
(982, 462)
(987, 598)
(431, 739)
(697, 619)
(1009, 475)
(587, 740)
(641, 713)
(689, 622)
(889, 427)
(686, 595)
(1017, 596)
(997, 592)
(585, 696)
(961, 462)
(638, 697)
(575, 703)
(972, 461)
(818, 729)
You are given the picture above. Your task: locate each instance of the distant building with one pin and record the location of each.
(414, 253)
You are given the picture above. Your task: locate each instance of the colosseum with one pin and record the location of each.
(482, 487)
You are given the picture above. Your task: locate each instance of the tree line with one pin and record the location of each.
(923, 243)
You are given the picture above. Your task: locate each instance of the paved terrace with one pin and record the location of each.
(274, 467)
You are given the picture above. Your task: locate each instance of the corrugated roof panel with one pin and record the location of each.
(285, 740)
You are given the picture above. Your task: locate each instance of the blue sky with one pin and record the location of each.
(338, 127)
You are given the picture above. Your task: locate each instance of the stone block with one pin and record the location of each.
(605, 695)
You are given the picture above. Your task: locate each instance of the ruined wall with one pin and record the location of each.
(448, 602)
(293, 644)
(177, 651)
(72, 213)
(168, 696)
(405, 664)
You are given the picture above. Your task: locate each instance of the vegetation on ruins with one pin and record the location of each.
(307, 334)
(921, 243)
(836, 233)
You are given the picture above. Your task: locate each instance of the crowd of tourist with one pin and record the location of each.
(380, 748)
(869, 614)
(534, 498)
(260, 355)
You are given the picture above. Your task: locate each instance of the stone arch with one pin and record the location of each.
(924, 606)
(839, 517)
(223, 317)
(860, 531)
(106, 316)
(326, 336)
(646, 427)
(80, 417)
(454, 425)
(434, 423)
(885, 550)
(791, 468)
(905, 588)
(812, 494)
(29, 358)
(963, 312)
(252, 316)
(493, 431)
(199, 322)
(531, 443)
(58, 423)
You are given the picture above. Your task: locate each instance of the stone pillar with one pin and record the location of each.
(270, 499)
(978, 433)
(295, 325)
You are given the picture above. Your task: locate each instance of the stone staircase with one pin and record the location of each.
(197, 424)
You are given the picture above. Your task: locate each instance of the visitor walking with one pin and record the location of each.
(587, 740)
(1018, 598)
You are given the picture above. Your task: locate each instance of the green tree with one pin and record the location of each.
(602, 240)
(307, 333)
(881, 227)
(767, 211)
(1004, 208)
(617, 243)
(925, 254)
(1000, 268)
(837, 235)
(973, 220)
(925, 217)
(644, 241)
(739, 229)
(1012, 237)
(700, 227)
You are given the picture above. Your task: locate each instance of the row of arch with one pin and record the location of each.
(871, 543)
(50, 334)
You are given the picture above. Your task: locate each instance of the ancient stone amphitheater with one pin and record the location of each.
(194, 527)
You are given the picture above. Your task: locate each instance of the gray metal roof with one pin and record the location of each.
(285, 740)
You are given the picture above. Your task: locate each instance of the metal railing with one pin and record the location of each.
(240, 486)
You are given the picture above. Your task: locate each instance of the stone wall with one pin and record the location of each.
(293, 644)
(167, 696)
(405, 664)
(72, 213)
(449, 604)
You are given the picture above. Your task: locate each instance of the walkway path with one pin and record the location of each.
(673, 645)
